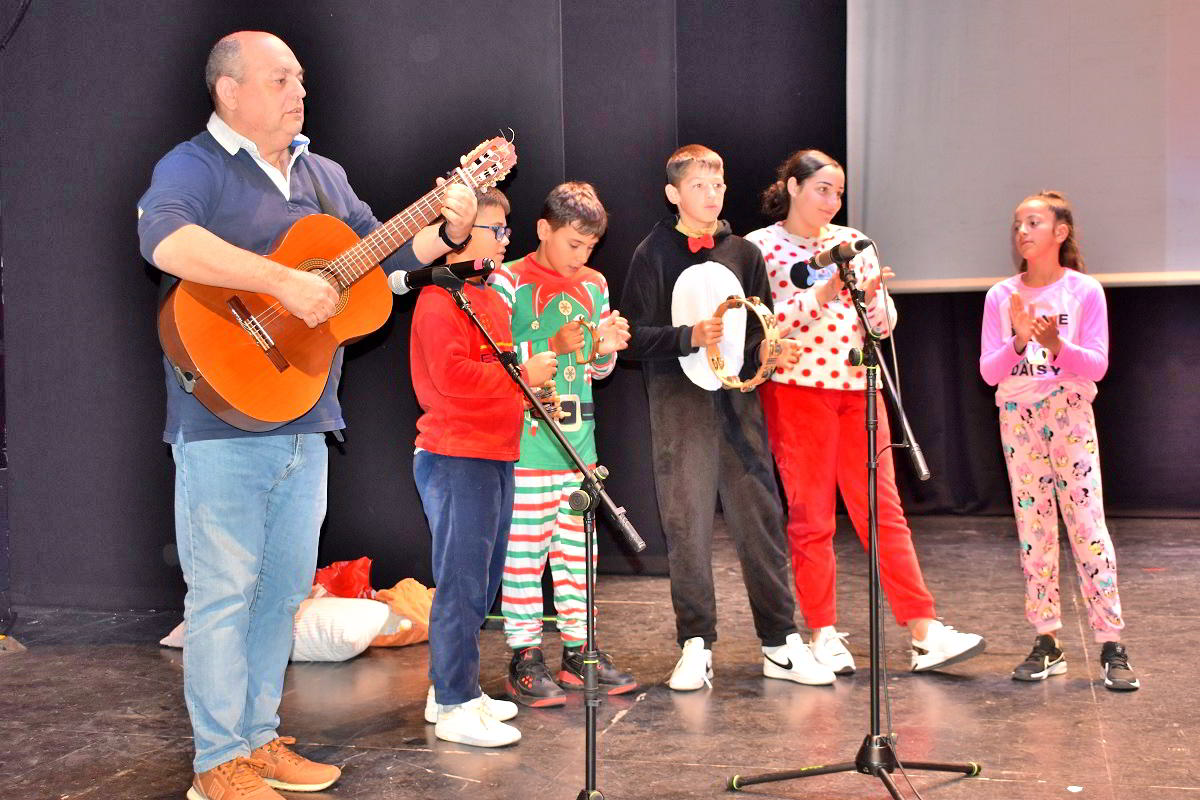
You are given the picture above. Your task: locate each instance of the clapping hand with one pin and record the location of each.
(612, 334)
(830, 289)
(871, 284)
(1045, 331)
(1022, 321)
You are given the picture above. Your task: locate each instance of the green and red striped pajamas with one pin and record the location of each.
(544, 528)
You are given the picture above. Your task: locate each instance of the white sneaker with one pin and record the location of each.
(501, 710)
(694, 668)
(943, 646)
(793, 661)
(828, 648)
(469, 723)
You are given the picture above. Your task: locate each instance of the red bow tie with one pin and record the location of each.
(698, 243)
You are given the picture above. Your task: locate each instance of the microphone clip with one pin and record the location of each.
(846, 273)
(446, 279)
(850, 280)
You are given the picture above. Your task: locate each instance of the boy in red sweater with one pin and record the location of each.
(468, 438)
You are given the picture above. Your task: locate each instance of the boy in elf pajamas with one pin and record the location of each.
(559, 305)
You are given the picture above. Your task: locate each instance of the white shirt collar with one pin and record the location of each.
(233, 141)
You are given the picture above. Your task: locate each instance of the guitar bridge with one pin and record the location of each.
(258, 332)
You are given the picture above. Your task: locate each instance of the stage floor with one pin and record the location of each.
(95, 708)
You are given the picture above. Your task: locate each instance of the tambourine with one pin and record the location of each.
(549, 400)
(771, 336)
(580, 358)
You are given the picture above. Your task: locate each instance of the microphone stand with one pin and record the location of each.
(877, 755)
(590, 495)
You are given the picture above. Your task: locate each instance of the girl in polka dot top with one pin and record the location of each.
(816, 414)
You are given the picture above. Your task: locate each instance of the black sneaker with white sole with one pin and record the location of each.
(1118, 673)
(1046, 659)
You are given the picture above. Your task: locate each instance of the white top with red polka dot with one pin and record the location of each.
(825, 333)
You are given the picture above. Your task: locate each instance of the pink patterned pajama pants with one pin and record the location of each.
(1053, 460)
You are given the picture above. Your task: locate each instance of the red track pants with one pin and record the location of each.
(819, 440)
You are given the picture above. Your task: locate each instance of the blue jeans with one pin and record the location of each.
(248, 515)
(468, 503)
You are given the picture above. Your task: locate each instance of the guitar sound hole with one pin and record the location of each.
(321, 267)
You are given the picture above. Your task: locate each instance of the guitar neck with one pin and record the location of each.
(391, 235)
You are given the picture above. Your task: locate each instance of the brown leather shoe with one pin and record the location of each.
(291, 772)
(239, 779)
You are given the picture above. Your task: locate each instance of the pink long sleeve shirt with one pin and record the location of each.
(1078, 302)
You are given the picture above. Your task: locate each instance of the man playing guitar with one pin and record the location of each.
(249, 505)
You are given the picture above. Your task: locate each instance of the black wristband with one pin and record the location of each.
(445, 238)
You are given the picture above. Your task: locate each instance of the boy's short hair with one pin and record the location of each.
(686, 156)
(494, 197)
(576, 203)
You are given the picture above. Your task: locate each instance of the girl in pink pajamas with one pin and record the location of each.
(1044, 346)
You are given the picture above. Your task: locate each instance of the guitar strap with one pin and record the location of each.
(339, 439)
(322, 198)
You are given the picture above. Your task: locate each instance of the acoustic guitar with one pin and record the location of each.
(255, 365)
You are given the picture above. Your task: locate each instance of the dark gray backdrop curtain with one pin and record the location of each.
(1146, 412)
(94, 93)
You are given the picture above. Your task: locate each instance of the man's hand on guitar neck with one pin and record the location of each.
(458, 209)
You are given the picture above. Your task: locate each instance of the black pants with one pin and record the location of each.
(710, 444)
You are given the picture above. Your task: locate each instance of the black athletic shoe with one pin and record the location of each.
(1118, 674)
(1046, 659)
(610, 679)
(529, 681)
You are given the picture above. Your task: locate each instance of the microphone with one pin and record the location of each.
(402, 282)
(838, 255)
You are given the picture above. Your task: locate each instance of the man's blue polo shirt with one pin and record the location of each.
(200, 182)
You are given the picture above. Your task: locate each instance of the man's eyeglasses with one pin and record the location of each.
(499, 231)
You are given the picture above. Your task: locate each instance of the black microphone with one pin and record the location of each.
(839, 254)
(401, 282)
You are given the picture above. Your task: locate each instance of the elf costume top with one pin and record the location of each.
(542, 302)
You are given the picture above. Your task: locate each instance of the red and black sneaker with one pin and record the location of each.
(529, 681)
(610, 679)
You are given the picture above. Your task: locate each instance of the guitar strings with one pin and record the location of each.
(354, 263)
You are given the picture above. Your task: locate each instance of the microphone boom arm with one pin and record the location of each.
(872, 358)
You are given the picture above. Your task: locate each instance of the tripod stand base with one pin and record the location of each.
(875, 757)
(593, 794)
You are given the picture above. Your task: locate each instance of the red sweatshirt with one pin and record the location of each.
(473, 409)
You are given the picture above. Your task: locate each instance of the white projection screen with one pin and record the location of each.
(958, 110)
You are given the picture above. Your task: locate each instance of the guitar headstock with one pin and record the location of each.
(488, 164)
